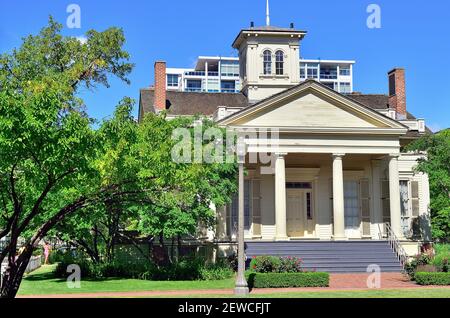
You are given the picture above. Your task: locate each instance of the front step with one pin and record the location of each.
(331, 256)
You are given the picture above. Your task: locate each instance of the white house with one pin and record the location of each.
(337, 171)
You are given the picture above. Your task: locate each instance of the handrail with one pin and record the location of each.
(395, 244)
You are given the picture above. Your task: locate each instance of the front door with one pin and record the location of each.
(295, 212)
(351, 208)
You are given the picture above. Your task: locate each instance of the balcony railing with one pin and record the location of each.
(193, 89)
(201, 73)
(201, 90)
(328, 75)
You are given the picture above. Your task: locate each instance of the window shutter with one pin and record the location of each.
(330, 185)
(415, 201)
(256, 208)
(365, 206)
(385, 201)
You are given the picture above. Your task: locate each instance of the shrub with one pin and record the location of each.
(426, 278)
(215, 273)
(272, 264)
(279, 280)
(290, 265)
(265, 264)
(189, 268)
(442, 257)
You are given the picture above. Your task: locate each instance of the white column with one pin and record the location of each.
(206, 76)
(377, 210)
(394, 196)
(338, 198)
(280, 196)
(241, 286)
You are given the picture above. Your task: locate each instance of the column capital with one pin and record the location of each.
(338, 155)
(394, 155)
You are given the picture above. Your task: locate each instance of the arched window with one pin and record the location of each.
(279, 63)
(267, 56)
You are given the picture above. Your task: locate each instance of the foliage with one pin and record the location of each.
(442, 257)
(437, 166)
(60, 176)
(429, 261)
(191, 268)
(272, 264)
(265, 264)
(47, 145)
(427, 278)
(290, 265)
(280, 280)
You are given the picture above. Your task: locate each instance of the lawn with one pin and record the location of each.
(42, 282)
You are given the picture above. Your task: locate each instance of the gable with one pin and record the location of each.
(311, 105)
(309, 110)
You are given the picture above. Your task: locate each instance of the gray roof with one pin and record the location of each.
(189, 103)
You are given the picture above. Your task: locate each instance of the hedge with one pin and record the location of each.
(430, 278)
(279, 280)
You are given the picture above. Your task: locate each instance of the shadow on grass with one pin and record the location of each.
(42, 276)
(35, 277)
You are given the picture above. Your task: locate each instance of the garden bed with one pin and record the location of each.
(430, 278)
(286, 280)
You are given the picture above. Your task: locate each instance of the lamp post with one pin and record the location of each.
(241, 287)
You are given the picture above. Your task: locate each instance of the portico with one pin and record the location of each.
(333, 173)
(338, 197)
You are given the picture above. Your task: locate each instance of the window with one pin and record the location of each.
(228, 68)
(409, 206)
(345, 88)
(351, 205)
(172, 80)
(213, 85)
(194, 85)
(228, 86)
(279, 63)
(302, 70)
(308, 206)
(344, 71)
(313, 71)
(267, 62)
(328, 72)
(298, 185)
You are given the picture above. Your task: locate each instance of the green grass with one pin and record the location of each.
(43, 282)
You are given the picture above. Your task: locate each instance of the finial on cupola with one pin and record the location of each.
(267, 13)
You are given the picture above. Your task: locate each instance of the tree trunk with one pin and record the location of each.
(14, 273)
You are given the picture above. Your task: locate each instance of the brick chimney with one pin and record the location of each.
(397, 92)
(160, 86)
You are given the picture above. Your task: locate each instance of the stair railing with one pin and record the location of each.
(396, 246)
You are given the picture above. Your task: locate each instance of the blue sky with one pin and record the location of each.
(414, 35)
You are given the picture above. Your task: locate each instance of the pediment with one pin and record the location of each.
(310, 105)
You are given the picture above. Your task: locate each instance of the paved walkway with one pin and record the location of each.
(338, 282)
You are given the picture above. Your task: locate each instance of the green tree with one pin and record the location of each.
(168, 199)
(437, 166)
(47, 145)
